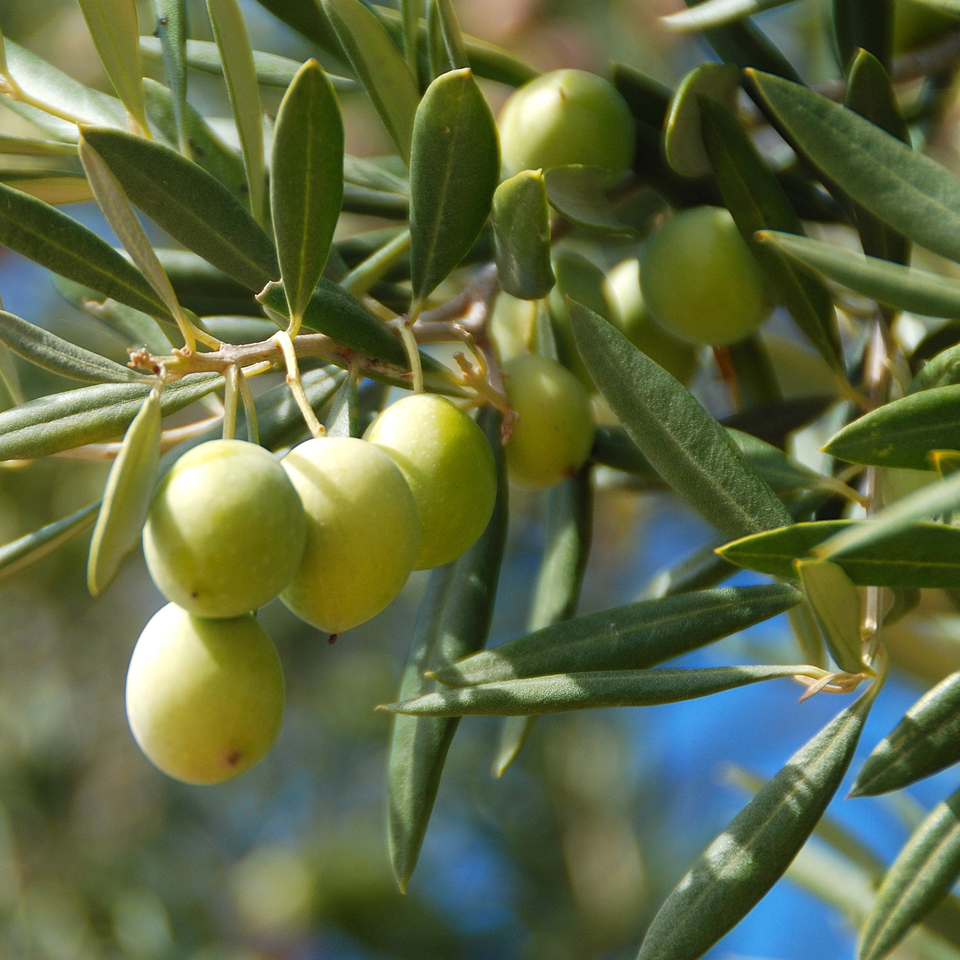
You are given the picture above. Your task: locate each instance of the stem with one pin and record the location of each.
(249, 408)
(231, 376)
(294, 383)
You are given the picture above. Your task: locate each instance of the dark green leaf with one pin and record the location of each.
(922, 875)
(306, 182)
(279, 420)
(190, 205)
(446, 46)
(172, 40)
(685, 445)
(631, 637)
(63, 421)
(746, 860)
(306, 17)
(924, 742)
(454, 169)
(19, 554)
(866, 24)
(580, 195)
(919, 555)
(521, 229)
(454, 621)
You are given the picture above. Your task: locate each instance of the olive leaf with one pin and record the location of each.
(521, 227)
(835, 603)
(717, 13)
(172, 40)
(24, 551)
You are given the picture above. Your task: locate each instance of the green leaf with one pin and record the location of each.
(521, 229)
(49, 351)
(949, 7)
(924, 742)
(682, 139)
(454, 169)
(31, 147)
(702, 569)
(835, 603)
(919, 555)
(188, 204)
(922, 875)
(59, 243)
(21, 553)
(172, 40)
(685, 445)
(236, 54)
(580, 194)
(866, 24)
(306, 17)
(306, 184)
(410, 15)
(454, 621)
(586, 691)
(906, 288)
(344, 417)
(126, 497)
(908, 191)
(379, 66)
(631, 637)
(757, 201)
(279, 419)
(732, 875)
(447, 49)
(903, 433)
(717, 13)
(71, 419)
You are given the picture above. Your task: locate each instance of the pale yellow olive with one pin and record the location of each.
(204, 697)
(225, 531)
(554, 430)
(699, 279)
(363, 531)
(449, 467)
(566, 117)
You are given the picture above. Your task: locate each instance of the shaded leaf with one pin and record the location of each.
(922, 875)
(521, 229)
(21, 553)
(306, 184)
(126, 496)
(446, 46)
(190, 205)
(344, 417)
(835, 604)
(579, 193)
(454, 169)
(631, 637)
(685, 445)
(716, 13)
(866, 24)
(172, 40)
(732, 875)
(307, 18)
(279, 419)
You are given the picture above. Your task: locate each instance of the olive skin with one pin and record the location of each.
(448, 465)
(225, 531)
(554, 430)
(363, 532)
(566, 117)
(204, 698)
(700, 281)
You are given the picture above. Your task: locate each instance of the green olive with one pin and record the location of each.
(204, 697)
(225, 531)
(554, 430)
(566, 117)
(363, 532)
(699, 279)
(447, 462)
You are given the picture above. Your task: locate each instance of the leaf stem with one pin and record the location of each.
(296, 385)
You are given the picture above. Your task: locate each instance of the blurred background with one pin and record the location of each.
(566, 857)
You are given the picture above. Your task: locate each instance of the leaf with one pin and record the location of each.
(188, 204)
(454, 621)
(71, 419)
(924, 742)
(279, 419)
(866, 24)
(586, 691)
(31, 147)
(835, 604)
(344, 417)
(734, 873)
(126, 497)
(59, 243)
(236, 55)
(949, 7)
(172, 40)
(757, 201)
(902, 433)
(922, 875)
(454, 169)
(631, 637)
(306, 17)
(910, 192)
(521, 229)
(306, 185)
(685, 445)
(49, 351)
(21, 553)
(579, 193)
(919, 555)
(379, 66)
(716, 13)
(702, 569)
(447, 49)
(410, 15)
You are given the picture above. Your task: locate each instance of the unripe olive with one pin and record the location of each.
(699, 279)
(554, 430)
(225, 531)
(565, 117)
(363, 531)
(631, 315)
(204, 697)
(449, 467)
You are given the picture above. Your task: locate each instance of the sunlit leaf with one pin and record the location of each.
(172, 40)
(21, 553)
(835, 603)
(716, 13)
